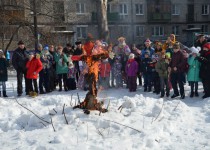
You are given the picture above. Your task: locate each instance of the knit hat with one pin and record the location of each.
(207, 45)
(194, 50)
(1, 51)
(131, 56)
(31, 53)
(20, 42)
(46, 48)
(40, 45)
(147, 41)
(78, 42)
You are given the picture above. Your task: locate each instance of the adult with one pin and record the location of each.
(200, 42)
(204, 69)
(176, 69)
(3, 74)
(19, 60)
(68, 50)
(78, 64)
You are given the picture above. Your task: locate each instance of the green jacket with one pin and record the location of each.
(194, 69)
(162, 68)
(61, 63)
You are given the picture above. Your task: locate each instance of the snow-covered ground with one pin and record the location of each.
(150, 124)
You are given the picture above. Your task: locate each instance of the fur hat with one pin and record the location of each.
(20, 42)
(131, 56)
(194, 50)
(147, 41)
(207, 45)
(176, 45)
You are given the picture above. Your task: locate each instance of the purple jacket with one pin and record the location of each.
(131, 68)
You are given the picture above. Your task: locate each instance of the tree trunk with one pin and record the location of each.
(102, 20)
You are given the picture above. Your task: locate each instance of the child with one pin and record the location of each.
(3, 73)
(34, 66)
(117, 72)
(193, 72)
(146, 70)
(71, 83)
(105, 74)
(131, 72)
(162, 69)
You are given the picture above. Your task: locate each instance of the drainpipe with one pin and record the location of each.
(132, 25)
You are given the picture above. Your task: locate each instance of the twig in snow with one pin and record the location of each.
(176, 106)
(65, 114)
(99, 132)
(123, 125)
(78, 98)
(28, 109)
(159, 112)
(55, 111)
(108, 105)
(43, 124)
(52, 124)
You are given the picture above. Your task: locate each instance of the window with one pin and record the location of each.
(123, 30)
(80, 8)
(8, 2)
(175, 9)
(204, 28)
(81, 32)
(175, 30)
(157, 31)
(205, 9)
(139, 9)
(123, 9)
(109, 8)
(139, 31)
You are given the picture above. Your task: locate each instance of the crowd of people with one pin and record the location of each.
(159, 67)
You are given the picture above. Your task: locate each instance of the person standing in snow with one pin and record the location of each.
(34, 66)
(162, 69)
(61, 67)
(131, 70)
(19, 60)
(71, 83)
(177, 68)
(205, 69)
(117, 73)
(3, 73)
(105, 74)
(193, 72)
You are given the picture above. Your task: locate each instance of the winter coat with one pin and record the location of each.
(117, 69)
(162, 68)
(179, 62)
(131, 68)
(33, 68)
(194, 69)
(61, 63)
(105, 69)
(19, 59)
(47, 60)
(205, 65)
(71, 72)
(146, 66)
(3, 70)
(149, 50)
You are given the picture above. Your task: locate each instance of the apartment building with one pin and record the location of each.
(69, 20)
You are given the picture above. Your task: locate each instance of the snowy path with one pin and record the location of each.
(163, 124)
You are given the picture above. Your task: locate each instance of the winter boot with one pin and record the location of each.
(196, 94)
(191, 94)
(4, 94)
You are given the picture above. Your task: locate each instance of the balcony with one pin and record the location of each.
(111, 17)
(159, 17)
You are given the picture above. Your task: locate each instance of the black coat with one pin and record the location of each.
(3, 70)
(205, 65)
(146, 66)
(19, 59)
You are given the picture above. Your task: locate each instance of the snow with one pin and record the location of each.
(146, 122)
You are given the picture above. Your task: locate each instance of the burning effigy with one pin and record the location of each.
(93, 52)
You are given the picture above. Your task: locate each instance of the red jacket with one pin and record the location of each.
(33, 68)
(105, 69)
